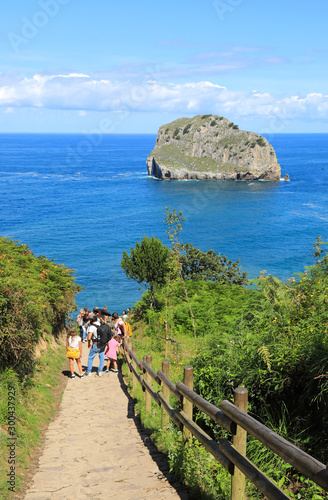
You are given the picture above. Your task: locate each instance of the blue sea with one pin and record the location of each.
(81, 200)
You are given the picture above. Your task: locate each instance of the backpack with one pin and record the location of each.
(128, 329)
(104, 334)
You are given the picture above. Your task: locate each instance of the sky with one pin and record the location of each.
(80, 66)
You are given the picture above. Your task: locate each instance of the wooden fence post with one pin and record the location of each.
(188, 380)
(239, 443)
(166, 339)
(134, 364)
(148, 360)
(166, 392)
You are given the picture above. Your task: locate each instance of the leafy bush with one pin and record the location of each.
(278, 353)
(147, 263)
(187, 128)
(208, 266)
(36, 295)
(198, 469)
(176, 133)
(269, 336)
(213, 123)
(205, 116)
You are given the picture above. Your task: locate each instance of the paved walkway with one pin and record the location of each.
(95, 448)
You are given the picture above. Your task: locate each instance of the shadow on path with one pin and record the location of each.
(159, 458)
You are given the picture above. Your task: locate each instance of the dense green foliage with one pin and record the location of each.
(208, 266)
(36, 296)
(271, 337)
(147, 263)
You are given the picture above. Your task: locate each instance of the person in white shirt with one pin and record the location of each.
(74, 350)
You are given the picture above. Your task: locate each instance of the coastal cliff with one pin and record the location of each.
(211, 147)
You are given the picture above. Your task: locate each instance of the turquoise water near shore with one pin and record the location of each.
(82, 201)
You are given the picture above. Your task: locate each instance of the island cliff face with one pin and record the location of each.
(211, 147)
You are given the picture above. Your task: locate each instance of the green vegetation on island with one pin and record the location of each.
(211, 147)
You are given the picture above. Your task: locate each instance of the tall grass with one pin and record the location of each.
(34, 404)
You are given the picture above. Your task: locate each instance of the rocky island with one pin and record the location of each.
(211, 147)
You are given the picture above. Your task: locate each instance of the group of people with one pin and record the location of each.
(104, 333)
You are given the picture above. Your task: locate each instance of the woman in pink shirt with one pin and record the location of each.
(111, 352)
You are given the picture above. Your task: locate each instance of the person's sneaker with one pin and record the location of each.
(81, 376)
(115, 371)
(87, 373)
(72, 376)
(99, 374)
(107, 371)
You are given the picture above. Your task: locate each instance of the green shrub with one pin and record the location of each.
(270, 337)
(36, 295)
(260, 142)
(187, 128)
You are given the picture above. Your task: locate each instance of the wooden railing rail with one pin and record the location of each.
(166, 381)
(212, 411)
(151, 372)
(232, 417)
(303, 462)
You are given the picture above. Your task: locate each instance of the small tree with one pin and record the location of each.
(148, 263)
(208, 266)
(174, 221)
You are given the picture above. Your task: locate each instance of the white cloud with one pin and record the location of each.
(84, 93)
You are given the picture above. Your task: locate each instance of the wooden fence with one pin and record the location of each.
(232, 417)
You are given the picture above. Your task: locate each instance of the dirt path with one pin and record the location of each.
(95, 448)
